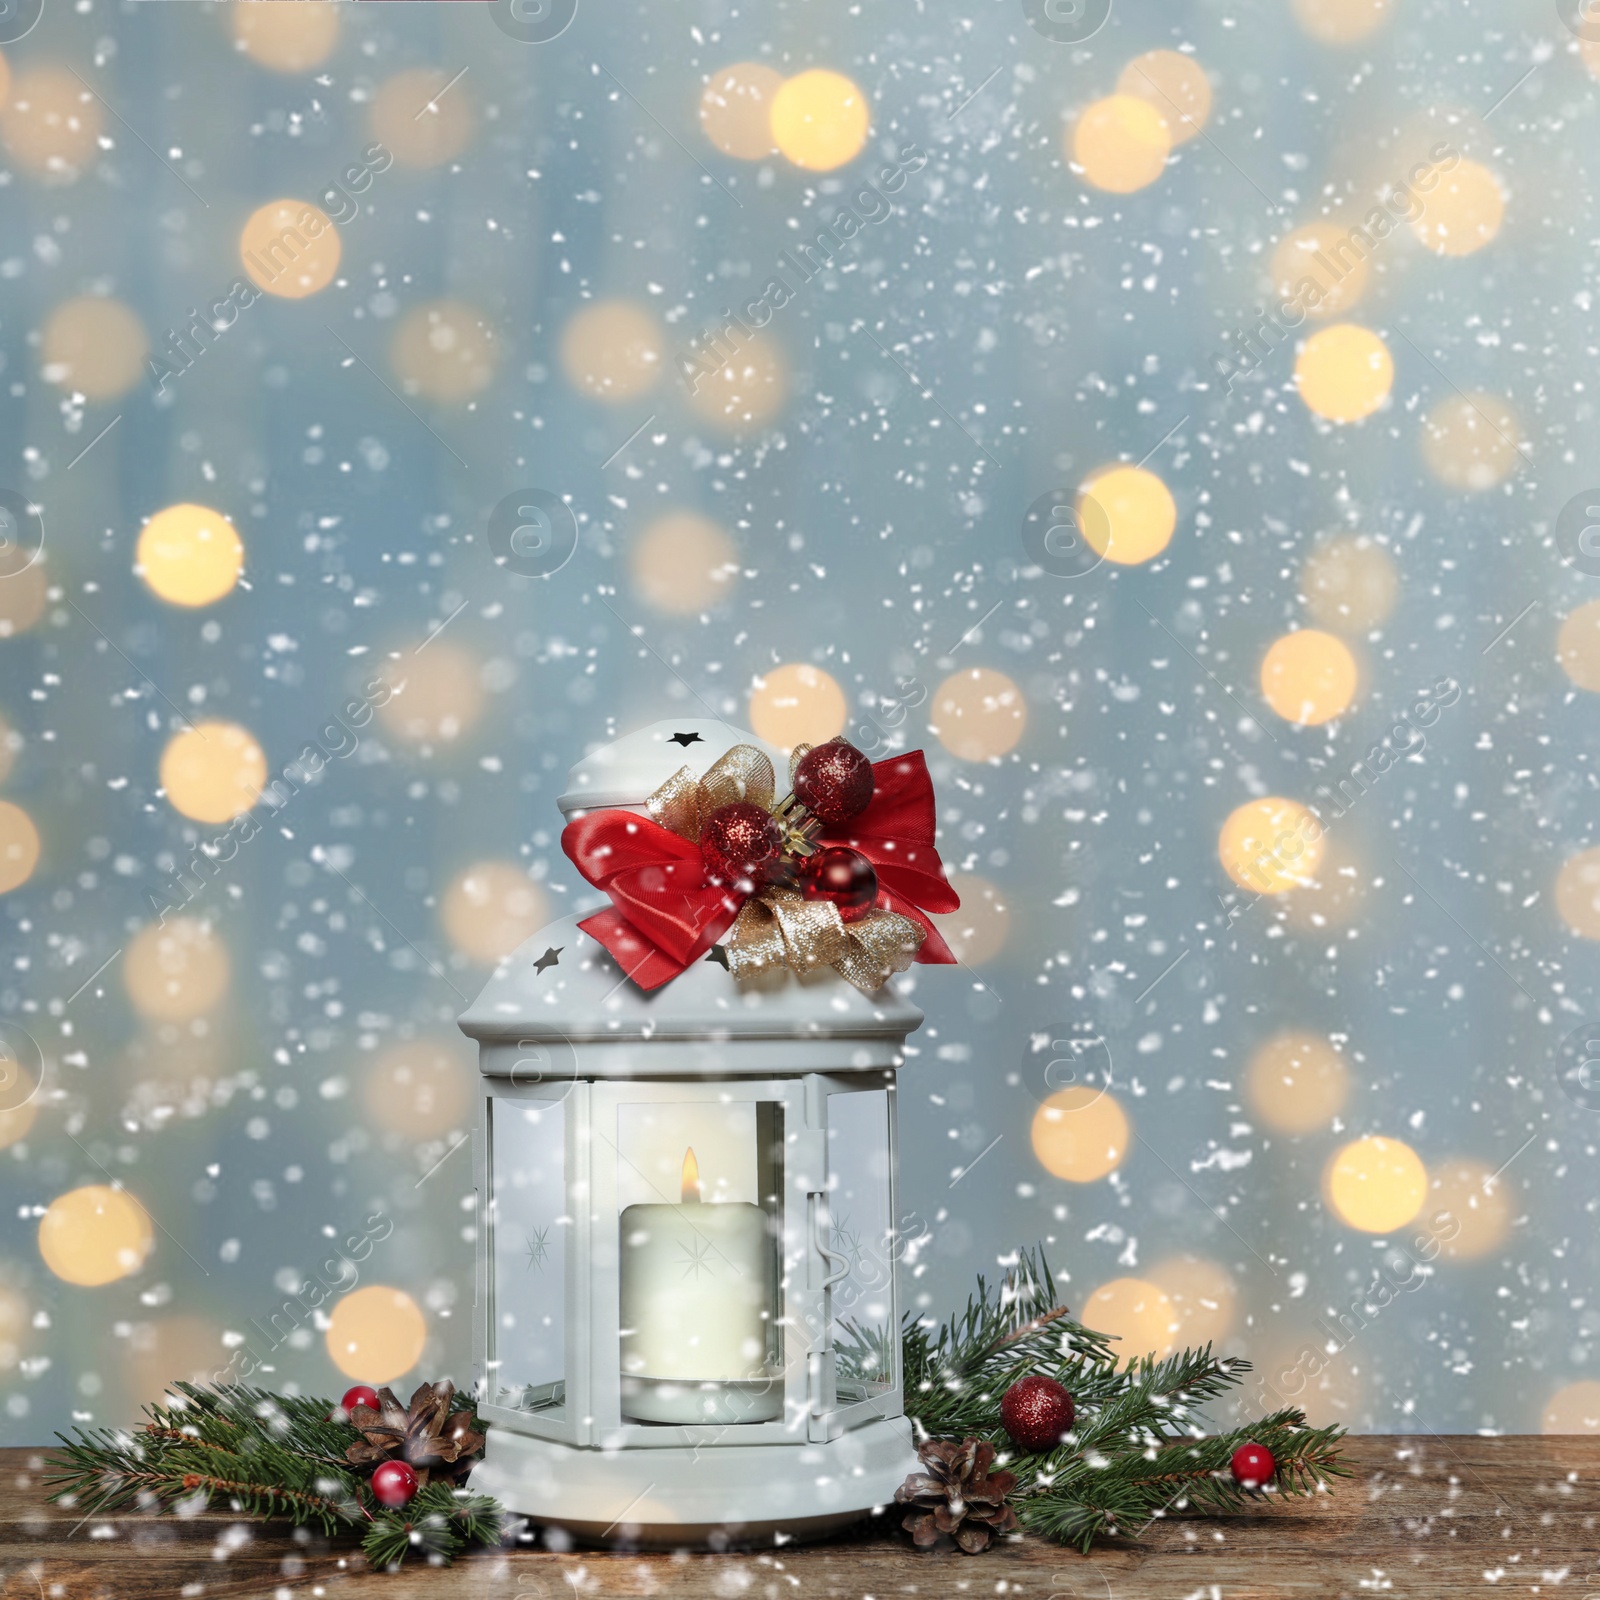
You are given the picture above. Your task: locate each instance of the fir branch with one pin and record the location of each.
(265, 1499)
(437, 1524)
(269, 1455)
(1139, 1447)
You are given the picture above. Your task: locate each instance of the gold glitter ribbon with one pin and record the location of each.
(882, 942)
(779, 927)
(684, 802)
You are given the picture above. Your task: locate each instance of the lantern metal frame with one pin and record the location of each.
(797, 1045)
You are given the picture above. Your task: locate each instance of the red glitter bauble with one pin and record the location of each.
(843, 876)
(834, 781)
(363, 1394)
(1036, 1412)
(393, 1484)
(1253, 1466)
(739, 845)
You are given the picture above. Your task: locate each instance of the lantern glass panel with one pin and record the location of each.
(699, 1186)
(529, 1226)
(861, 1229)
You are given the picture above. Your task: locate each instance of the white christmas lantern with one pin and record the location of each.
(687, 1321)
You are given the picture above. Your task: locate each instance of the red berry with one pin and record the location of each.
(393, 1484)
(843, 876)
(1036, 1411)
(834, 781)
(363, 1394)
(740, 844)
(1253, 1466)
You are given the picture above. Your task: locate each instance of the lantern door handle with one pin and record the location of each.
(836, 1274)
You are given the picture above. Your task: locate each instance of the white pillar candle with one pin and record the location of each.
(694, 1313)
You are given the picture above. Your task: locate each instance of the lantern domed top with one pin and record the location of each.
(629, 770)
(562, 989)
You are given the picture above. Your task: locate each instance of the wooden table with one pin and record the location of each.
(1427, 1517)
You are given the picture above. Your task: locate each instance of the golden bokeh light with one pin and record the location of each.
(1472, 441)
(683, 564)
(95, 1235)
(490, 908)
(1344, 372)
(93, 346)
(1080, 1134)
(190, 555)
(1329, 1386)
(1271, 846)
(977, 932)
(1573, 1409)
(613, 350)
(978, 714)
(1468, 1209)
(1203, 1295)
(1589, 51)
(1319, 269)
(1349, 583)
(1375, 1184)
(797, 703)
(419, 1089)
(19, 847)
(289, 248)
(376, 1334)
(1463, 212)
(736, 110)
(1174, 84)
(178, 1349)
(819, 120)
(1137, 1314)
(437, 694)
(1336, 896)
(1296, 1082)
(444, 350)
(16, 1123)
(1127, 514)
(10, 744)
(1340, 22)
(747, 390)
(422, 116)
(213, 772)
(1578, 893)
(24, 588)
(1308, 677)
(286, 36)
(16, 1315)
(175, 971)
(1119, 144)
(51, 123)
(1578, 646)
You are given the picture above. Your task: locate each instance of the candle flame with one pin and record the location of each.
(691, 1176)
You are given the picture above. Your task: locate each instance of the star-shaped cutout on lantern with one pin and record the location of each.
(717, 954)
(538, 1249)
(550, 958)
(686, 739)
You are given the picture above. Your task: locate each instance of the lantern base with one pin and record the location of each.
(712, 1495)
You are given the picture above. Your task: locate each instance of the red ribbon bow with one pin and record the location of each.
(665, 914)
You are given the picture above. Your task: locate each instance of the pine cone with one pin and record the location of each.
(957, 1495)
(434, 1440)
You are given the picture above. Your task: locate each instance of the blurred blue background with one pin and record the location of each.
(247, 1068)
